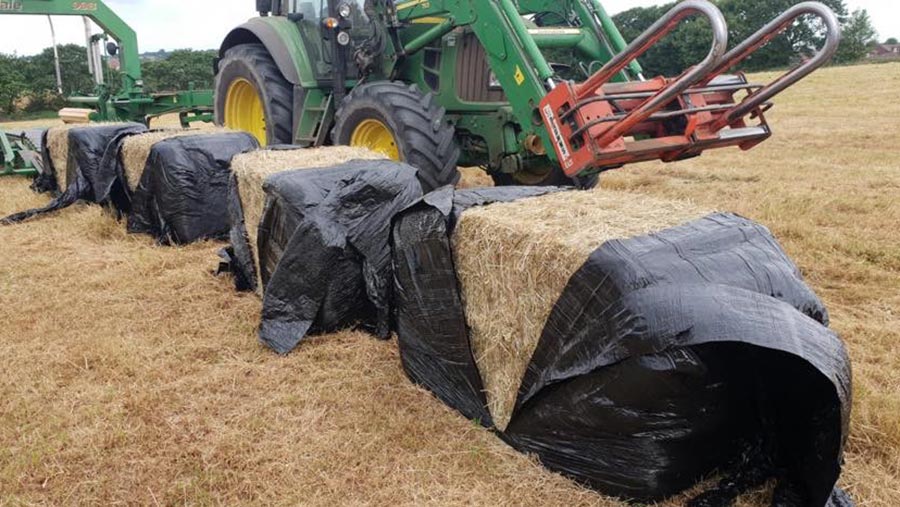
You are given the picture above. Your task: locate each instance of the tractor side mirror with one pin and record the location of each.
(263, 7)
(112, 49)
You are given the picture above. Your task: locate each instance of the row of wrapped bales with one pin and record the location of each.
(171, 184)
(635, 344)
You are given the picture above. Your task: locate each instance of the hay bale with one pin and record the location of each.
(514, 260)
(252, 169)
(136, 149)
(633, 344)
(75, 115)
(474, 177)
(58, 146)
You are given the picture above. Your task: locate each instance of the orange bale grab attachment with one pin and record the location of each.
(598, 125)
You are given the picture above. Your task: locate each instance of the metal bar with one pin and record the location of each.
(666, 24)
(646, 95)
(59, 83)
(549, 38)
(656, 32)
(432, 34)
(766, 34)
(656, 116)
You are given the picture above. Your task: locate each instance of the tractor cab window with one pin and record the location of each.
(308, 9)
(362, 25)
(310, 25)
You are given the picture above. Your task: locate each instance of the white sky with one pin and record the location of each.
(202, 24)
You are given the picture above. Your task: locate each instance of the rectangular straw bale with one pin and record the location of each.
(252, 169)
(136, 150)
(514, 260)
(58, 146)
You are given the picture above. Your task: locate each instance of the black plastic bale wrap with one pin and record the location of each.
(324, 249)
(45, 181)
(90, 168)
(182, 196)
(667, 357)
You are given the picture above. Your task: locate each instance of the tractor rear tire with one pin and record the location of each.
(403, 123)
(249, 83)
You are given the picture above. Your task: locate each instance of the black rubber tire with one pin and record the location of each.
(426, 140)
(254, 63)
(554, 178)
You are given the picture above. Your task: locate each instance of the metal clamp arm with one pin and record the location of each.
(644, 42)
(763, 37)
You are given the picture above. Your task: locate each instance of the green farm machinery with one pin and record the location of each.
(118, 39)
(442, 83)
(130, 103)
(19, 154)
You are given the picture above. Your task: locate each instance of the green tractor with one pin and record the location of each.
(538, 92)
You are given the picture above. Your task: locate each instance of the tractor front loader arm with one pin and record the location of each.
(512, 52)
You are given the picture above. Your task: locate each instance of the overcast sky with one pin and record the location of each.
(202, 24)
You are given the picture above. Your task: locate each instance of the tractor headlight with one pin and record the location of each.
(344, 10)
(343, 38)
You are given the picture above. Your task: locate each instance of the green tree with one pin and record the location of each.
(858, 33)
(180, 69)
(892, 40)
(41, 76)
(12, 83)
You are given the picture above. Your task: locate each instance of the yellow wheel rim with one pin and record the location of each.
(376, 136)
(244, 110)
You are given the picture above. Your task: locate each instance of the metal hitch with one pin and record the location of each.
(598, 125)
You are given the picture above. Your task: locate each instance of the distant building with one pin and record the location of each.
(884, 51)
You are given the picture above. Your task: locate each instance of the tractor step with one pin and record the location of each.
(599, 125)
(318, 110)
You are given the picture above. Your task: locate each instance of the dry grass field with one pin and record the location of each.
(129, 374)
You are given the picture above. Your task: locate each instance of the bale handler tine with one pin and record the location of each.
(765, 35)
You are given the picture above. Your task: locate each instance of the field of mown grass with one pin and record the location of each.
(129, 374)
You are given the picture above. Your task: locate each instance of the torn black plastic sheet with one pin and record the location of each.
(324, 249)
(45, 181)
(89, 168)
(237, 257)
(664, 355)
(183, 193)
